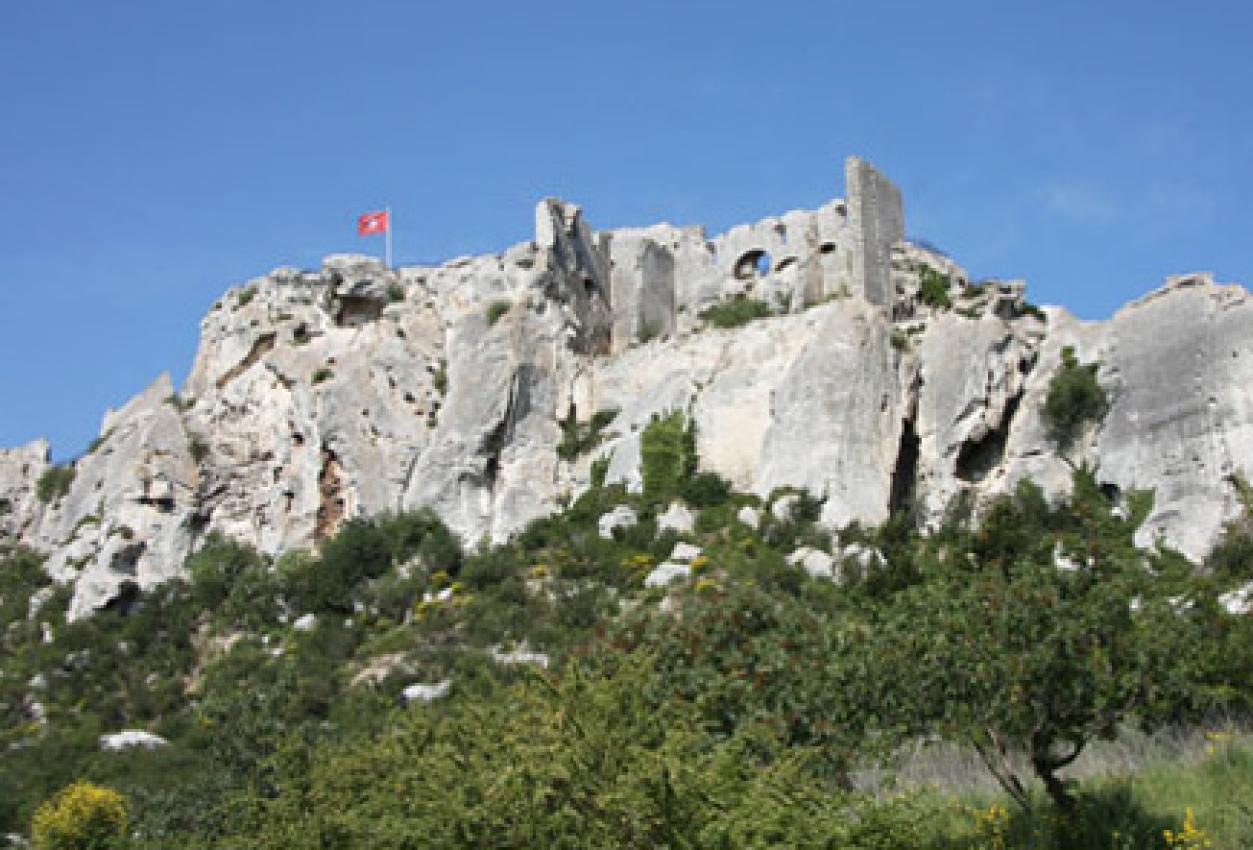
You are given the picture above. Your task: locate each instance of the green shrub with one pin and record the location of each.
(395, 292)
(599, 471)
(197, 448)
(440, 378)
(705, 490)
(736, 312)
(667, 456)
(1074, 398)
(580, 438)
(217, 567)
(246, 296)
(54, 483)
(496, 310)
(322, 373)
(933, 287)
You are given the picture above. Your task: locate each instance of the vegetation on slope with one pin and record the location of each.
(733, 710)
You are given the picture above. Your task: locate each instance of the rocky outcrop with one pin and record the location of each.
(884, 380)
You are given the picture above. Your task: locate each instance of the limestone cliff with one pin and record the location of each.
(319, 396)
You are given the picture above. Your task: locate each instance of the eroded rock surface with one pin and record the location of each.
(319, 396)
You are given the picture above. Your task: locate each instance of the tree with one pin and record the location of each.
(1044, 629)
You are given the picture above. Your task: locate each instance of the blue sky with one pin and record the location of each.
(154, 153)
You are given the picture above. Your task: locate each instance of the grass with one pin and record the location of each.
(933, 288)
(496, 310)
(54, 483)
(1133, 790)
(736, 312)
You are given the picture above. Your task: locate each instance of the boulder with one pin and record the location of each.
(749, 516)
(666, 574)
(425, 693)
(622, 516)
(677, 518)
(129, 739)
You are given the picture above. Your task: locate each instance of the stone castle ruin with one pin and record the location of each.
(317, 396)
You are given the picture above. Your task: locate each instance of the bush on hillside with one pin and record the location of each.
(54, 483)
(1074, 398)
(83, 816)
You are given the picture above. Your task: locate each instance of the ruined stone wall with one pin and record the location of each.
(877, 218)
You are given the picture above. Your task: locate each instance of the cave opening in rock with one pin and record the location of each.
(126, 600)
(905, 472)
(976, 459)
(752, 264)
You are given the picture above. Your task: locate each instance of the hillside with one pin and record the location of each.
(641, 539)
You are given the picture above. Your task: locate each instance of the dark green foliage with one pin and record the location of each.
(667, 456)
(320, 374)
(578, 438)
(217, 568)
(395, 292)
(933, 288)
(246, 296)
(1074, 399)
(598, 471)
(705, 490)
(496, 310)
(736, 312)
(580, 761)
(54, 483)
(1028, 309)
(99, 441)
(366, 549)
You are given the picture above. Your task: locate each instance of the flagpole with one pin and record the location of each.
(389, 237)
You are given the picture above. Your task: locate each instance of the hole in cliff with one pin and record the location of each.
(752, 264)
(164, 504)
(827, 248)
(357, 310)
(198, 522)
(905, 473)
(126, 600)
(6, 507)
(126, 559)
(1112, 492)
(978, 458)
(297, 439)
(589, 285)
(784, 263)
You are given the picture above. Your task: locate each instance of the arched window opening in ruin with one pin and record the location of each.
(752, 264)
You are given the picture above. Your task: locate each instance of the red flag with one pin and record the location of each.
(373, 222)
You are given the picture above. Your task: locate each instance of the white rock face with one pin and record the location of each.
(320, 396)
(305, 623)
